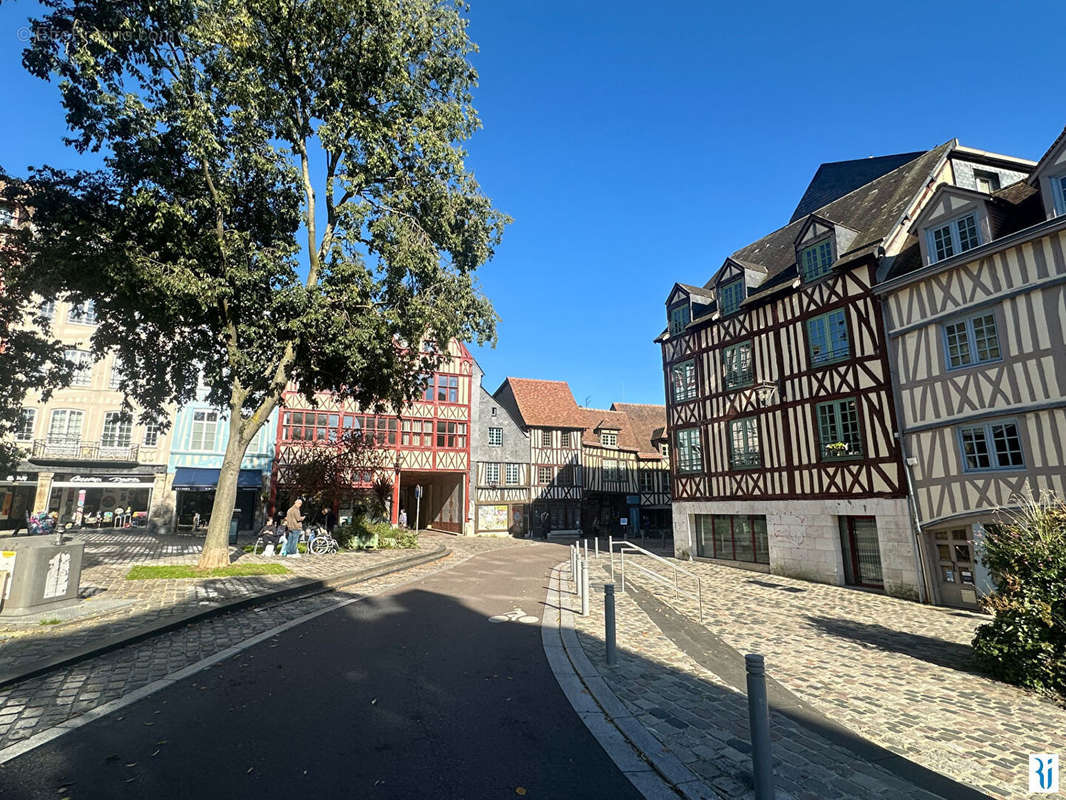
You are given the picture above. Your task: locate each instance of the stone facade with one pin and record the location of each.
(804, 537)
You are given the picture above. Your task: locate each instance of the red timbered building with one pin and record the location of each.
(426, 444)
(779, 397)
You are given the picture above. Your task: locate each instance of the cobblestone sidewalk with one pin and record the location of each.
(37, 704)
(895, 672)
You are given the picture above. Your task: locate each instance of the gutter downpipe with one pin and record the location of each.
(924, 593)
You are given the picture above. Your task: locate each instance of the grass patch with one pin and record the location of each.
(147, 572)
(51, 621)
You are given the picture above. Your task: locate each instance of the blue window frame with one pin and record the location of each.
(972, 340)
(730, 296)
(816, 259)
(1058, 188)
(827, 338)
(738, 365)
(689, 451)
(679, 318)
(838, 429)
(991, 446)
(952, 237)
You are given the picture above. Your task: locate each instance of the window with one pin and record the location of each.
(118, 429)
(204, 423)
(679, 318)
(24, 428)
(7, 216)
(151, 434)
(115, 381)
(511, 474)
(564, 439)
(613, 471)
(838, 429)
(492, 473)
(734, 537)
(730, 296)
(83, 367)
(664, 450)
(689, 451)
(816, 259)
(683, 380)
(744, 451)
(414, 433)
(736, 359)
(451, 435)
(65, 426)
(47, 309)
(545, 438)
(986, 182)
(994, 445)
(427, 392)
(545, 475)
(448, 388)
(609, 438)
(956, 236)
(973, 340)
(495, 437)
(647, 480)
(827, 338)
(1058, 186)
(82, 313)
(493, 411)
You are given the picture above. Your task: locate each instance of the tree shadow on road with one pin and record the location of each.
(951, 655)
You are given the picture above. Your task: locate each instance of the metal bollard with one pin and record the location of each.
(608, 623)
(597, 546)
(585, 588)
(610, 552)
(586, 541)
(762, 763)
(622, 557)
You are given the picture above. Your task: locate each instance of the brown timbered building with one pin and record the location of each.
(779, 396)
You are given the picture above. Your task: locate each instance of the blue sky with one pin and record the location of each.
(638, 144)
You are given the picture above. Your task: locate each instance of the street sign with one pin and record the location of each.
(418, 491)
(623, 521)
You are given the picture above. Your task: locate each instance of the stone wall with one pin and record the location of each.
(804, 537)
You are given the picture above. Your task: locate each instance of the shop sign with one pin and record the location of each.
(492, 518)
(20, 478)
(103, 479)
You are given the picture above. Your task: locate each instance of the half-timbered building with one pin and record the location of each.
(547, 412)
(426, 445)
(501, 470)
(648, 424)
(975, 309)
(780, 406)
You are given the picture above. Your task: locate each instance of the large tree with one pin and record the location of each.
(284, 199)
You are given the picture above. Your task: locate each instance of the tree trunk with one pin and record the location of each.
(216, 543)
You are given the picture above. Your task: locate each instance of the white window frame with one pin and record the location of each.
(495, 437)
(117, 431)
(609, 438)
(24, 431)
(114, 381)
(492, 473)
(153, 430)
(545, 438)
(545, 470)
(512, 475)
(83, 369)
(82, 313)
(953, 231)
(198, 436)
(66, 437)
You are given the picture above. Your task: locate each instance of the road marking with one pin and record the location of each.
(517, 615)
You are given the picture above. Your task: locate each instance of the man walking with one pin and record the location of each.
(293, 526)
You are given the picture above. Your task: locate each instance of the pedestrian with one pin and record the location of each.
(329, 519)
(293, 526)
(403, 517)
(546, 523)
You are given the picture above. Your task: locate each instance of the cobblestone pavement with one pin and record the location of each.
(37, 704)
(704, 721)
(893, 671)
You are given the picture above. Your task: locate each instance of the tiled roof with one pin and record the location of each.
(835, 179)
(547, 404)
(648, 424)
(596, 418)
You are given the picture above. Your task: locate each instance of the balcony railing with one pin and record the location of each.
(45, 450)
(737, 378)
(745, 460)
(829, 356)
(837, 450)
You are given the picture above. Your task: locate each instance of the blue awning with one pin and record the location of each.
(204, 478)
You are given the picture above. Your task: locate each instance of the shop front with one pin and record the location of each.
(195, 490)
(17, 493)
(102, 500)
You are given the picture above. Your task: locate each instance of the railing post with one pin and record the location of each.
(585, 587)
(608, 623)
(622, 556)
(610, 552)
(597, 546)
(586, 541)
(762, 765)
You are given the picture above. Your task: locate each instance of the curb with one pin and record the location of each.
(306, 588)
(652, 769)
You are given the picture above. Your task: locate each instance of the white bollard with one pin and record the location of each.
(585, 587)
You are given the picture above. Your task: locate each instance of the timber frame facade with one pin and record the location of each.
(781, 407)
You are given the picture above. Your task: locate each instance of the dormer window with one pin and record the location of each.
(986, 182)
(679, 318)
(953, 237)
(816, 259)
(609, 438)
(730, 296)
(1058, 186)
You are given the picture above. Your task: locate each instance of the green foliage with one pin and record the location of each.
(1025, 643)
(150, 572)
(361, 533)
(284, 200)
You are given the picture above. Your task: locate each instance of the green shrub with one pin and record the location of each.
(360, 533)
(1025, 643)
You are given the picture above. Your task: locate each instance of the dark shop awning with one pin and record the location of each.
(204, 478)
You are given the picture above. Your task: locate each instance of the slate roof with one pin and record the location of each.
(546, 404)
(873, 210)
(834, 179)
(648, 424)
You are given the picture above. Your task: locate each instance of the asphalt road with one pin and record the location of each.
(409, 694)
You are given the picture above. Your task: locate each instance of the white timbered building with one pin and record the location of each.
(975, 307)
(780, 406)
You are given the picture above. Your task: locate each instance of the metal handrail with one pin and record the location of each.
(623, 545)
